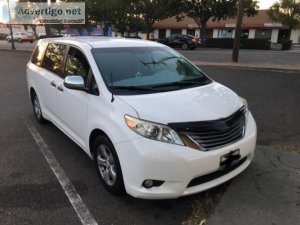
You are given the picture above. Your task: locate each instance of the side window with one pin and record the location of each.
(94, 87)
(177, 37)
(76, 64)
(54, 57)
(37, 56)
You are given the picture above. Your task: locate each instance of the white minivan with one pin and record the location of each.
(155, 125)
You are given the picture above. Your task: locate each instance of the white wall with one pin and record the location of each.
(156, 33)
(183, 31)
(197, 33)
(215, 33)
(274, 36)
(251, 34)
(295, 35)
(168, 32)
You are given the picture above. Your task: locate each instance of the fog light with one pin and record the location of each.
(148, 183)
(152, 183)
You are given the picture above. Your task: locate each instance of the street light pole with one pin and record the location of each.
(10, 28)
(238, 27)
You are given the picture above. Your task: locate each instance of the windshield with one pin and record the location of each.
(140, 70)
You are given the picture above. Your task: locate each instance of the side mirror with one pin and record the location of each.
(75, 83)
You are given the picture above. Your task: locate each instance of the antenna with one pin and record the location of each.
(112, 87)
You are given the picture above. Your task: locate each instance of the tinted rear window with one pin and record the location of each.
(54, 57)
(37, 56)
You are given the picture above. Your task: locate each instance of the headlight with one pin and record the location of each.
(153, 131)
(244, 102)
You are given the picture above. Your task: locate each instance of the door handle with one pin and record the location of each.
(53, 84)
(60, 88)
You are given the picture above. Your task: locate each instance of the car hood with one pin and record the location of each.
(209, 102)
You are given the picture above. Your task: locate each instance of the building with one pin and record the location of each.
(259, 26)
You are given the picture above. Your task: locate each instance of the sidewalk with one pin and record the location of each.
(261, 66)
(267, 193)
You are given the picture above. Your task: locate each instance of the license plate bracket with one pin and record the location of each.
(230, 159)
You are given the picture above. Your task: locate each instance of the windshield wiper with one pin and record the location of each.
(160, 61)
(134, 88)
(181, 84)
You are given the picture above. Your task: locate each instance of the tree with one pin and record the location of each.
(154, 10)
(203, 10)
(102, 12)
(126, 20)
(286, 12)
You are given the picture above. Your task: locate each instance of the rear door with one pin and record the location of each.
(51, 76)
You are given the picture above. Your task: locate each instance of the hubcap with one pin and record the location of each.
(37, 107)
(106, 165)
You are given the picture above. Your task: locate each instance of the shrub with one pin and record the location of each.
(261, 44)
(286, 44)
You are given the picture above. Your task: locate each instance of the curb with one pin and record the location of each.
(22, 50)
(286, 69)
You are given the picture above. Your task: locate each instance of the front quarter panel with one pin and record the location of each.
(108, 117)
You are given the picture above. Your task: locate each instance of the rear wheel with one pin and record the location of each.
(184, 46)
(37, 109)
(19, 40)
(108, 165)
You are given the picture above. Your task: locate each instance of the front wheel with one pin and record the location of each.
(37, 109)
(108, 165)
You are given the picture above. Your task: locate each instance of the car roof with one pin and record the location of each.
(104, 42)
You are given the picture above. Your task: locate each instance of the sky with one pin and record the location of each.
(265, 4)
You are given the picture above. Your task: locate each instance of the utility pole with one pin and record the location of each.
(238, 27)
(10, 28)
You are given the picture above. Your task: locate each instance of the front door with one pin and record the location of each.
(72, 104)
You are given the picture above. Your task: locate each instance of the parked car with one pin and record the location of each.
(22, 37)
(3, 36)
(182, 41)
(155, 125)
(41, 35)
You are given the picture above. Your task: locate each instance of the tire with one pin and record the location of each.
(9, 40)
(108, 165)
(19, 40)
(37, 109)
(184, 46)
(31, 41)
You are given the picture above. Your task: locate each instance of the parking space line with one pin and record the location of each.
(80, 208)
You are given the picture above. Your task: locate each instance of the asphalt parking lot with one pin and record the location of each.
(31, 194)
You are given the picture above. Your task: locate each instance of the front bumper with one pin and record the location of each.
(143, 159)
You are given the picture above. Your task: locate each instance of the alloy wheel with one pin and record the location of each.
(37, 107)
(106, 165)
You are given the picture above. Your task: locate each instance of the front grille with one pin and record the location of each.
(212, 176)
(215, 133)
